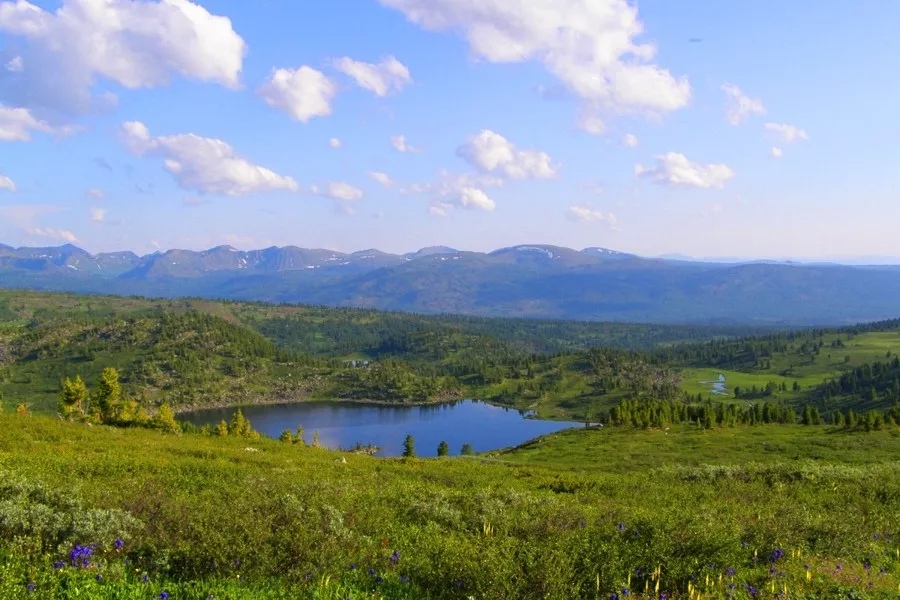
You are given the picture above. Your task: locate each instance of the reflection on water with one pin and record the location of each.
(343, 425)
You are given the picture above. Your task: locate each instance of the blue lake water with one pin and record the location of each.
(342, 425)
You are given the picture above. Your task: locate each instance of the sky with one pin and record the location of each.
(746, 129)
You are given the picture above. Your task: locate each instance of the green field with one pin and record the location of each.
(583, 514)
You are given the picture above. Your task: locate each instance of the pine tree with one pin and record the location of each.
(409, 447)
(286, 437)
(851, 418)
(299, 437)
(837, 419)
(222, 428)
(72, 398)
(165, 419)
(467, 449)
(107, 395)
(443, 449)
(315, 440)
(240, 426)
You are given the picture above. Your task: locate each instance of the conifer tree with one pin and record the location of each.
(299, 437)
(286, 437)
(222, 428)
(443, 449)
(240, 426)
(467, 449)
(315, 440)
(72, 398)
(165, 419)
(409, 447)
(108, 395)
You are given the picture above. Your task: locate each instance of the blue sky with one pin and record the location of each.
(140, 125)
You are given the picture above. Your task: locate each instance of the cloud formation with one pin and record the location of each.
(7, 184)
(786, 133)
(740, 106)
(301, 93)
(98, 215)
(204, 164)
(586, 214)
(338, 190)
(390, 75)
(400, 144)
(588, 46)
(135, 44)
(17, 125)
(629, 140)
(674, 169)
(777, 152)
(490, 152)
(335, 143)
(382, 178)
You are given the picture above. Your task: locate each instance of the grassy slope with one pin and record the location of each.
(553, 509)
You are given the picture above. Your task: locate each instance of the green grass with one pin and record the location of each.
(541, 521)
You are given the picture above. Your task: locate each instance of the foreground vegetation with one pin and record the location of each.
(763, 512)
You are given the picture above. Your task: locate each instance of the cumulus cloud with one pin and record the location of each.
(135, 44)
(490, 152)
(98, 215)
(401, 145)
(390, 75)
(786, 133)
(24, 216)
(457, 190)
(777, 152)
(17, 125)
(301, 93)
(338, 190)
(6, 183)
(382, 178)
(674, 169)
(586, 214)
(629, 140)
(15, 64)
(204, 164)
(588, 46)
(335, 143)
(739, 105)
(50, 232)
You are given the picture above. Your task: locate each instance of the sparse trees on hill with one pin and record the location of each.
(72, 398)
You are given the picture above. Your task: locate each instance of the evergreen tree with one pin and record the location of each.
(443, 449)
(286, 436)
(72, 398)
(240, 426)
(107, 396)
(299, 437)
(467, 449)
(315, 440)
(851, 418)
(807, 415)
(165, 419)
(409, 447)
(837, 419)
(222, 428)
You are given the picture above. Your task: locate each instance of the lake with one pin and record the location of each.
(342, 425)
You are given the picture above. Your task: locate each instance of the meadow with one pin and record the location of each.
(770, 511)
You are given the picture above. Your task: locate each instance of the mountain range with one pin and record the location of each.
(521, 281)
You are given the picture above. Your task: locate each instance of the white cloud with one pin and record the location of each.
(7, 184)
(204, 164)
(17, 124)
(301, 93)
(382, 178)
(739, 105)
(15, 65)
(95, 193)
(338, 190)
(335, 143)
(588, 46)
(401, 145)
(629, 140)
(587, 214)
(451, 190)
(381, 79)
(674, 169)
(777, 152)
(135, 44)
(490, 152)
(98, 215)
(786, 133)
(49, 232)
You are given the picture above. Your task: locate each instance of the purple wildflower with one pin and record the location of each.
(119, 543)
(621, 526)
(31, 587)
(729, 571)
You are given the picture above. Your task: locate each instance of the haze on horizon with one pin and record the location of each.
(700, 129)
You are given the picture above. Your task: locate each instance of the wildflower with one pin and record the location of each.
(379, 580)
(837, 568)
(882, 570)
(731, 586)
(583, 523)
(867, 566)
(625, 591)
(663, 596)
(875, 537)
(164, 596)
(99, 577)
(753, 591)
(777, 554)
(395, 557)
(371, 571)
(119, 543)
(145, 578)
(308, 576)
(59, 565)
(806, 567)
(352, 566)
(31, 587)
(404, 579)
(614, 596)
(621, 526)
(729, 571)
